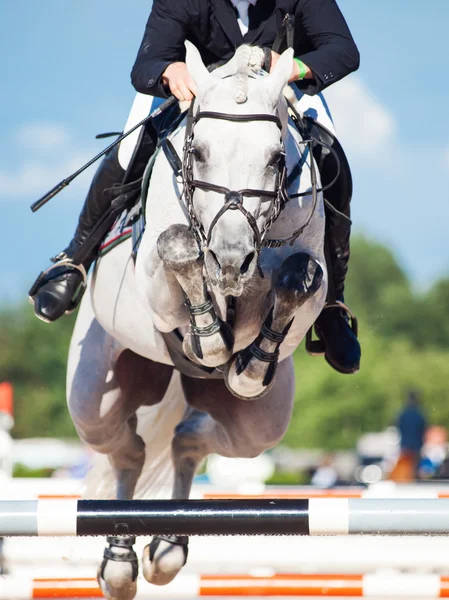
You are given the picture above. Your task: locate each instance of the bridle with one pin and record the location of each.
(233, 199)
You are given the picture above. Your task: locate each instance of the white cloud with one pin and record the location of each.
(37, 174)
(33, 178)
(42, 136)
(364, 124)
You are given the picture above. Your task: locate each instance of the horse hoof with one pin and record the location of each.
(116, 582)
(163, 559)
(249, 383)
(214, 352)
(117, 575)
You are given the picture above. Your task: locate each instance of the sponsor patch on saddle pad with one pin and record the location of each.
(118, 233)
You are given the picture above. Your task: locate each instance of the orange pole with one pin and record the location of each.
(66, 588)
(7, 398)
(59, 497)
(283, 495)
(444, 587)
(282, 585)
(229, 585)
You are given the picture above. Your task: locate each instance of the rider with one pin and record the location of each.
(324, 53)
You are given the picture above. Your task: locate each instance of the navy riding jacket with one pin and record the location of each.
(322, 39)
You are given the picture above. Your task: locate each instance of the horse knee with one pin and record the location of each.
(177, 248)
(125, 450)
(110, 437)
(99, 438)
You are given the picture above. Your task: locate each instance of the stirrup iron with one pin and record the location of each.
(316, 347)
(61, 260)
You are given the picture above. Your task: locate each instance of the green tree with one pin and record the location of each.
(33, 357)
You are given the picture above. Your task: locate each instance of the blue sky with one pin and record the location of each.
(65, 77)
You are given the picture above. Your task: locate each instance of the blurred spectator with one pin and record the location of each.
(326, 475)
(434, 463)
(411, 424)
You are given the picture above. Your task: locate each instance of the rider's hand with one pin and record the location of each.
(295, 69)
(179, 81)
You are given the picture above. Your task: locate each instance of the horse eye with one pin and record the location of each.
(197, 154)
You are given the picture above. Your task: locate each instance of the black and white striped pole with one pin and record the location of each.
(315, 516)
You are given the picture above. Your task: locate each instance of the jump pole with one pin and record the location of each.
(192, 586)
(314, 516)
(278, 495)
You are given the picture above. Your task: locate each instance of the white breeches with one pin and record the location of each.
(142, 106)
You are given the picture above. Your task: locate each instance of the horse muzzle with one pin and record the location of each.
(230, 278)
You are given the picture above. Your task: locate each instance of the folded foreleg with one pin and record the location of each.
(210, 340)
(250, 374)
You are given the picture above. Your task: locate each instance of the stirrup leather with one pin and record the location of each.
(61, 260)
(316, 347)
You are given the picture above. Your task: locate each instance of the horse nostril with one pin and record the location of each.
(246, 263)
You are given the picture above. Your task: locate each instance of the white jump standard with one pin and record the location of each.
(315, 516)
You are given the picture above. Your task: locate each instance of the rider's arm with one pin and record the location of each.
(333, 53)
(162, 45)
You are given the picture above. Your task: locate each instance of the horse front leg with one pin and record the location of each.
(250, 374)
(209, 340)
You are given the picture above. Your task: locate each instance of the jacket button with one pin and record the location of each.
(150, 81)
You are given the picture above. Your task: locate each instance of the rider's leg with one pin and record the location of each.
(338, 340)
(53, 293)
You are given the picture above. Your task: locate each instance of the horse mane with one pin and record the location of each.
(250, 59)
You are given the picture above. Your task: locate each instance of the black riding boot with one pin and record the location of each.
(59, 289)
(336, 327)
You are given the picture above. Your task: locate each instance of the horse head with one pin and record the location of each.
(234, 163)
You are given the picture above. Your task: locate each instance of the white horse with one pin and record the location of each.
(125, 397)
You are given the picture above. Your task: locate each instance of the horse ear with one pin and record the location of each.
(196, 67)
(278, 78)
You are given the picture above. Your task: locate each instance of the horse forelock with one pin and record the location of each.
(249, 59)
